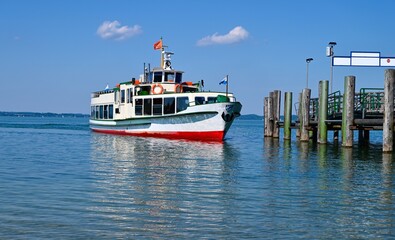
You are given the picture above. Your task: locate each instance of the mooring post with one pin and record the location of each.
(287, 115)
(276, 112)
(363, 136)
(299, 115)
(304, 133)
(323, 112)
(268, 117)
(388, 125)
(360, 136)
(366, 136)
(348, 111)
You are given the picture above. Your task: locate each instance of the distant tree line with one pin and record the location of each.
(37, 114)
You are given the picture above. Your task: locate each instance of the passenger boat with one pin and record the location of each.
(160, 104)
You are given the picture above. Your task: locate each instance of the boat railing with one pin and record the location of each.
(232, 99)
(195, 103)
(97, 94)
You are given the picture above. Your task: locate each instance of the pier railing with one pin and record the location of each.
(368, 102)
(335, 104)
(371, 101)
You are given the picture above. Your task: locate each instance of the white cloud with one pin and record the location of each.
(114, 30)
(235, 35)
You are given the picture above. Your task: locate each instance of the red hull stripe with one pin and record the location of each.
(201, 136)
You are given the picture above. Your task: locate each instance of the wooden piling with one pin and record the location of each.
(299, 115)
(276, 112)
(268, 118)
(287, 115)
(304, 132)
(363, 135)
(323, 112)
(366, 136)
(348, 111)
(388, 125)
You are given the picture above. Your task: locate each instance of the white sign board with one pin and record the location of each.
(364, 59)
(387, 62)
(341, 61)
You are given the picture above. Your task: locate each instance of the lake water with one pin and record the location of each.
(59, 180)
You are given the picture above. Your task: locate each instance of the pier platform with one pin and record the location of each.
(363, 111)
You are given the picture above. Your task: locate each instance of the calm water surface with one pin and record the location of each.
(58, 180)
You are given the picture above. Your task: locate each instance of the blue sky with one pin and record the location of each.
(55, 53)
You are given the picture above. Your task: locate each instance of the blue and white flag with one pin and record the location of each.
(224, 81)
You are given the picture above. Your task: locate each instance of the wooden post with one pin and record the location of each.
(323, 112)
(366, 136)
(276, 112)
(304, 133)
(360, 136)
(299, 115)
(335, 136)
(268, 117)
(287, 115)
(388, 125)
(348, 111)
(363, 136)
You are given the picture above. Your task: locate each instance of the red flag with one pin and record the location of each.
(158, 45)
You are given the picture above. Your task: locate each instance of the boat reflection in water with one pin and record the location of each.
(151, 186)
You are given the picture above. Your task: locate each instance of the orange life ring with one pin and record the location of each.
(178, 88)
(156, 89)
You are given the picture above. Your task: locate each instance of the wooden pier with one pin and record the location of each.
(363, 111)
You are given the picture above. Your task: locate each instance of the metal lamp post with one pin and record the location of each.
(329, 53)
(308, 60)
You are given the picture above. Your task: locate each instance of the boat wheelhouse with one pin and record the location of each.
(161, 104)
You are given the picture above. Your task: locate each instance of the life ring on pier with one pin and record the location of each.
(178, 88)
(157, 89)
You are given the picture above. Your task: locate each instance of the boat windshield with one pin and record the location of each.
(169, 77)
(157, 77)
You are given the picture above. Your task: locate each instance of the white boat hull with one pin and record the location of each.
(208, 122)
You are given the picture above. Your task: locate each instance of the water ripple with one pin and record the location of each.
(59, 180)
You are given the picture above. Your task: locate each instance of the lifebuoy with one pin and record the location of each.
(178, 88)
(157, 89)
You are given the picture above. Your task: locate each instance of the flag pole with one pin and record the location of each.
(161, 54)
(227, 83)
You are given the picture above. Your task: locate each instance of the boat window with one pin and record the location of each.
(128, 95)
(101, 112)
(212, 99)
(116, 96)
(199, 100)
(92, 112)
(110, 111)
(169, 77)
(122, 96)
(157, 76)
(138, 109)
(182, 103)
(178, 77)
(97, 112)
(157, 107)
(148, 106)
(169, 105)
(105, 111)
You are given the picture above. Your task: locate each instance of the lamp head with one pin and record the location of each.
(332, 44)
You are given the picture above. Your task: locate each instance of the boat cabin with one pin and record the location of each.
(158, 92)
(159, 75)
